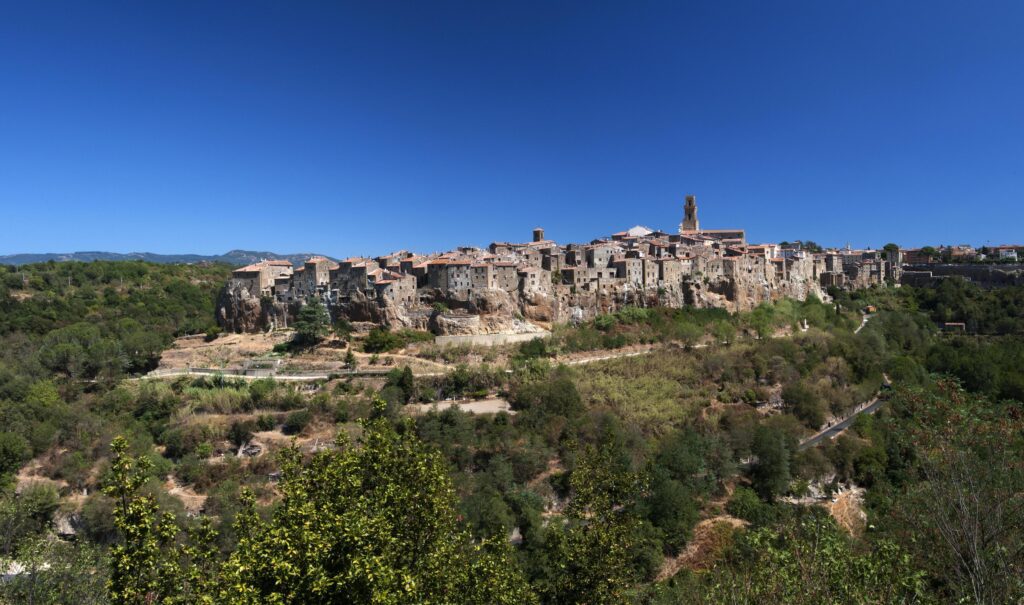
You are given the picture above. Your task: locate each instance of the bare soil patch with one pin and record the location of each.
(710, 538)
(847, 509)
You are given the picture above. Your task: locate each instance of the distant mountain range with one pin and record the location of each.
(234, 257)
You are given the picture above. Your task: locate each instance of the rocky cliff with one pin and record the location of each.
(737, 287)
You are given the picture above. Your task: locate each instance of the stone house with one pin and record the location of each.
(651, 272)
(630, 270)
(506, 276)
(601, 255)
(397, 289)
(534, 278)
(481, 276)
(259, 278)
(459, 277)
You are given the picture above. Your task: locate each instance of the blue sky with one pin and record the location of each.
(358, 128)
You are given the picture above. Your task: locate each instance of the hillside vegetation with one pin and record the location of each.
(671, 476)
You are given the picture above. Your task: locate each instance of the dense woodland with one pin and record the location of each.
(596, 490)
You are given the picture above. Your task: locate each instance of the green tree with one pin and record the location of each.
(967, 514)
(809, 561)
(723, 331)
(404, 381)
(134, 575)
(57, 573)
(671, 507)
(770, 472)
(14, 452)
(590, 556)
(343, 328)
(312, 324)
(373, 523)
(803, 402)
(380, 340)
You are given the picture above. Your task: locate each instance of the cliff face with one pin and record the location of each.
(737, 287)
(240, 311)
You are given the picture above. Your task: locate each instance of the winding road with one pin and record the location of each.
(833, 431)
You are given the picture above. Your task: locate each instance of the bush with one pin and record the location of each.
(296, 422)
(745, 505)
(804, 403)
(532, 349)
(266, 422)
(241, 432)
(14, 452)
(380, 340)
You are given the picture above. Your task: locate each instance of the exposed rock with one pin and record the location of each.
(729, 283)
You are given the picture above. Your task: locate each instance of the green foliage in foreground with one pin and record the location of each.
(809, 561)
(373, 522)
(662, 441)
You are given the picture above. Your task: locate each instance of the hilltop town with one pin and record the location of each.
(513, 287)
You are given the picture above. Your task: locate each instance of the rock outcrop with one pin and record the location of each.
(494, 311)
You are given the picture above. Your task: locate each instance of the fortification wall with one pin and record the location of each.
(986, 276)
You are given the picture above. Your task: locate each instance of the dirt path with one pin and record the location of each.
(479, 406)
(192, 501)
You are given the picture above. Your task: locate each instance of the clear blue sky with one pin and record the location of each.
(352, 128)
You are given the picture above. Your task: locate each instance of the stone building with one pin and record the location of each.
(690, 222)
(259, 278)
(541, 279)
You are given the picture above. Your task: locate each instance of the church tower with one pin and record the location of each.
(690, 222)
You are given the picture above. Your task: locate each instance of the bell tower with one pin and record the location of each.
(690, 222)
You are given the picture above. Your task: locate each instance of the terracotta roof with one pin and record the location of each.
(280, 263)
(249, 269)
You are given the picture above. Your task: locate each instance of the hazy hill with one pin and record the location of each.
(234, 257)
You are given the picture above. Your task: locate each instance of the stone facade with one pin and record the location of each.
(543, 281)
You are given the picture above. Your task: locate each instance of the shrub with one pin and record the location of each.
(532, 349)
(747, 506)
(241, 432)
(380, 340)
(14, 452)
(296, 422)
(266, 422)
